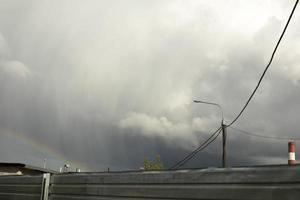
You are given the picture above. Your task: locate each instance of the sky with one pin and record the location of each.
(104, 84)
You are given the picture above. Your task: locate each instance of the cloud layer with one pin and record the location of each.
(107, 83)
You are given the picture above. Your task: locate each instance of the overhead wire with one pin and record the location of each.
(203, 145)
(215, 134)
(263, 136)
(267, 67)
(197, 150)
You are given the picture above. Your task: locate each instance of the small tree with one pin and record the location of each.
(155, 165)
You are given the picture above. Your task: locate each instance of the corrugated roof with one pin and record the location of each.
(22, 165)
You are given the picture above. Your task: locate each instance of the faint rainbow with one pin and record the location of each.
(43, 147)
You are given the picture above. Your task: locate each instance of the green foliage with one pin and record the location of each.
(155, 165)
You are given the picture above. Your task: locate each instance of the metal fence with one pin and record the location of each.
(21, 187)
(234, 183)
(265, 183)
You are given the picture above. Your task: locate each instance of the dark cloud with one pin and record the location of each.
(102, 84)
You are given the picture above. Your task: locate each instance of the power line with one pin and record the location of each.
(214, 136)
(263, 136)
(194, 152)
(208, 141)
(200, 148)
(267, 67)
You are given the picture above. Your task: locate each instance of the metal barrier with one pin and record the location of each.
(21, 187)
(265, 183)
(276, 183)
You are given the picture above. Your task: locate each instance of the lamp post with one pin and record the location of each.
(224, 131)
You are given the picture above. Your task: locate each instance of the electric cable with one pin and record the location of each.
(263, 136)
(182, 162)
(267, 67)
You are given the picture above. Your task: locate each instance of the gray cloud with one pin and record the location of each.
(106, 83)
(15, 68)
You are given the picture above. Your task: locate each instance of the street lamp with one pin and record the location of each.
(215, 104)
(224, 131)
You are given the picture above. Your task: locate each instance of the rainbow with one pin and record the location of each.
(39, 146)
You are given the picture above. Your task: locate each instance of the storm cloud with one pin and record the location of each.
(105, 83)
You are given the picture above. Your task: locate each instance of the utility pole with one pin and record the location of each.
(224, 136)
(224, 131)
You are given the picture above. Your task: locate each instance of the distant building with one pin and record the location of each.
(22, 169)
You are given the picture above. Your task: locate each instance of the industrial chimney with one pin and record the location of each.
(292, 157)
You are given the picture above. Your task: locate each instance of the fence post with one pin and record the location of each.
(45, 186)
